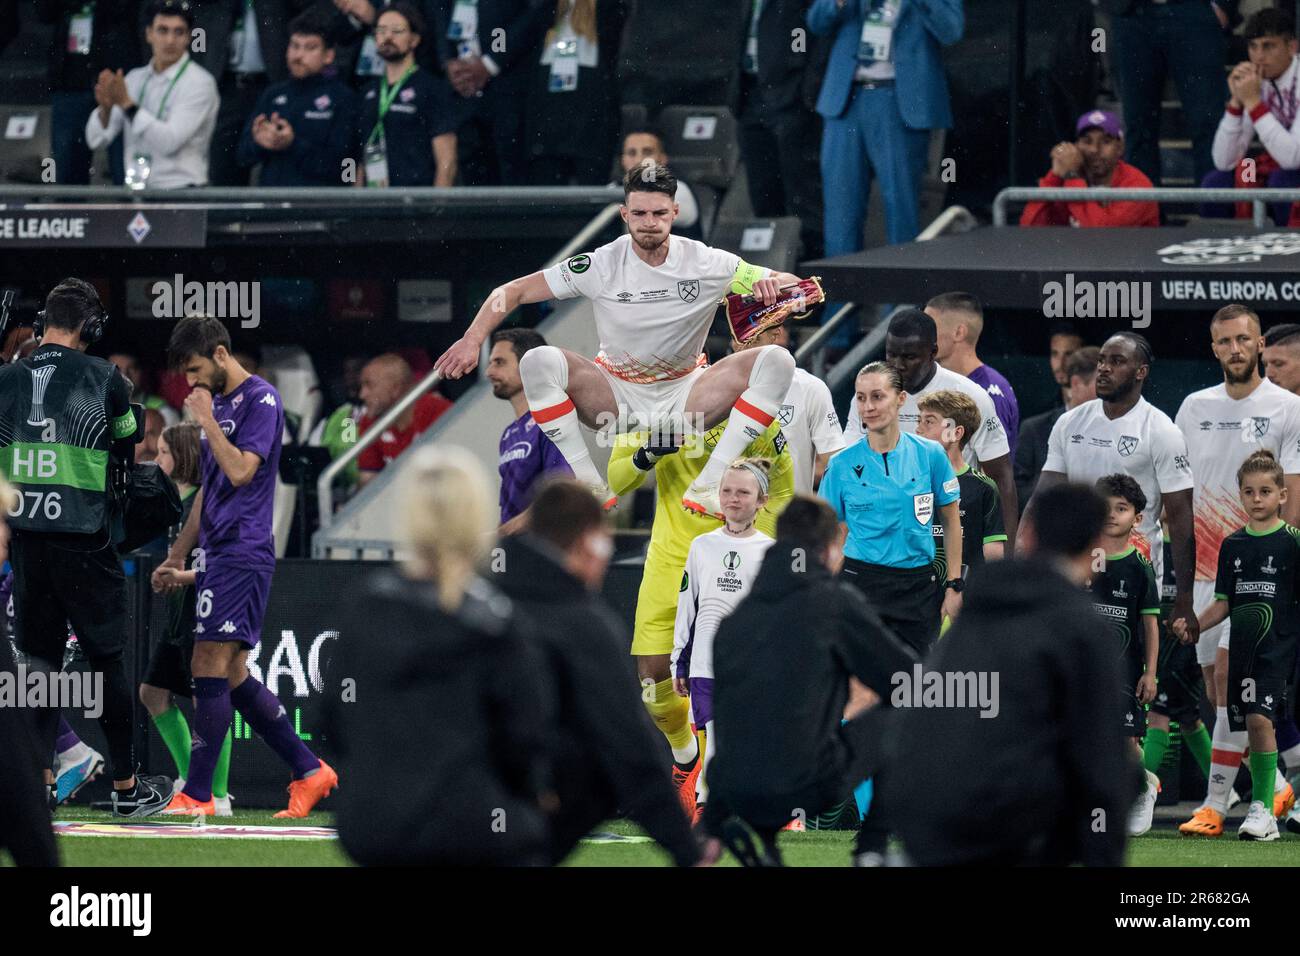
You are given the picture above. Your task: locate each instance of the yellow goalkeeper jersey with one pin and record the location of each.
(674, 527)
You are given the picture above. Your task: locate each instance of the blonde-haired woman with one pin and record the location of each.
(573, 100)
(436, 708)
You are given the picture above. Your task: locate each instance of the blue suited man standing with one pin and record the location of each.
(884, 90)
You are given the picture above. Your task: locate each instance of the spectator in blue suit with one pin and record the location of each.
(883, 92)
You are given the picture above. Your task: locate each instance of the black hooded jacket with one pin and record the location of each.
(606, 757)
(1051, 766)
(781, 665)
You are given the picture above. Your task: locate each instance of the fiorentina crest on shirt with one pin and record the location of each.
(688, 290)
(1127, 445)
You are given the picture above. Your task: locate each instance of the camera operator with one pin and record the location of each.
(66, 423)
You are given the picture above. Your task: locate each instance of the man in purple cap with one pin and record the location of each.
(526, 454)
(1095, 158)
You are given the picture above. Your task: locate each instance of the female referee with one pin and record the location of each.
(885, 489)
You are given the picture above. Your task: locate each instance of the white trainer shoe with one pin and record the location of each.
(1140, 817)
(702, 499)
(1259, 824)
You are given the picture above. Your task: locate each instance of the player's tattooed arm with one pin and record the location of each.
(462, 358)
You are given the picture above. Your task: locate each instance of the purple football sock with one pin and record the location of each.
(263, 712)
(212, 715)
(67, 738)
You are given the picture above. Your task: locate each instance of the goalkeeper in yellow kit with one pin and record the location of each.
(633, 457)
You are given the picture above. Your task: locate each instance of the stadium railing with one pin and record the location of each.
(1258, 198)
(325, 486)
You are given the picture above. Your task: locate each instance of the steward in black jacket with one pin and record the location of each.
(782, 662)
(606, 758)
(439, 732)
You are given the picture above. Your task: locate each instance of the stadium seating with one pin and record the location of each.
(24, 142)
(773, 242)
(702, 143)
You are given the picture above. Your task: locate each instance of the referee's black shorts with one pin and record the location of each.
(905, 598)
(55, 585)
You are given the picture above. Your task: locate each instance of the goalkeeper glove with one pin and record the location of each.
(644, 458)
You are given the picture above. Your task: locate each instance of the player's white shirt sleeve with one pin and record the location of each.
(853, 423)
(583, 274)
(1056, 446)
(823, 423)
(688, 209)
(1290, 439)
(1168, 455)
(687, 607)
(990, 439)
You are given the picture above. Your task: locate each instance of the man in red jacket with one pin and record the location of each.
(1095, 158)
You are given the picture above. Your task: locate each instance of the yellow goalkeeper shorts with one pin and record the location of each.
(656, 609)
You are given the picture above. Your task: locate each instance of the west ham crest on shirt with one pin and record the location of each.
(1127, 445)
(1260, 423)
(688, 290)
(786, 415)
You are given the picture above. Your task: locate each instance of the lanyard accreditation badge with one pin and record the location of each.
(876, 43)
(375, 152)
(162, 106)
(80, 30)
(564, 65)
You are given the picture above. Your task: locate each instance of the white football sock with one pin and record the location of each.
(702, 782)
(769, 381)
(544, 373)
(1225, 760)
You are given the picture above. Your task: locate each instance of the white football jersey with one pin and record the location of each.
(810, 426)
(1220, 433)
(1086, 445)
(652, 322)
(720, 570)
(990, 439)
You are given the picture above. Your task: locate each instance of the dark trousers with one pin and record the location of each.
(905, 598)
(492, 144)
(56, 585)
(1156, 40)
(72, 157)
(865, 750)
(24, 817)
(1278, 179)
(780, 149)
(238, 100)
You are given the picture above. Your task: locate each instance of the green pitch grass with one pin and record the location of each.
(1162, 847)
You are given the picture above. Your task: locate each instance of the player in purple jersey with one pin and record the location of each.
(242, 421)
(525, 454)
(959, 318)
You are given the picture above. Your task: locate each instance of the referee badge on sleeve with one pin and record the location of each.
(923, 508)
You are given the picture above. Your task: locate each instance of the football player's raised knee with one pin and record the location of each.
(544, 373)
(772, 372)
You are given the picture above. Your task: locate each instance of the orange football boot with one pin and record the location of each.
(1283, 801)
(684, 781)
(1205, 822)
(309, 791)
(183, 805)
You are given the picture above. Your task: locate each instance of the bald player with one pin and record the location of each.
(384, 380)
(959, 319)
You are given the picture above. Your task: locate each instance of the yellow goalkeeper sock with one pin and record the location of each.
(671, 715)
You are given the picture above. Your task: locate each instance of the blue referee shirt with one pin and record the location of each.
(889, 500)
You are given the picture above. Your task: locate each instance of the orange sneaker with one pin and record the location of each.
(1283, 801)
(796, 826)
(1205, 822)
(684, 781)
(309, 791)
(183, 805)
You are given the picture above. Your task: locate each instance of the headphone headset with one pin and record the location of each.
(92, 330)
